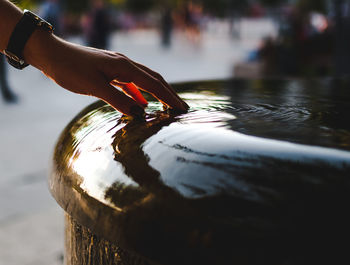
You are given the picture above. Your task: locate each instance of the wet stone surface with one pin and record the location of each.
(257, 172)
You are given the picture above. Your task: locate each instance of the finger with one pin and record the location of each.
(131, 90)
(120, 101)
(159, 91)
(148, 83)
(159, 78)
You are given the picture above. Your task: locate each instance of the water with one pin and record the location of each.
(309, 112)
(233, 129)
(255, 162)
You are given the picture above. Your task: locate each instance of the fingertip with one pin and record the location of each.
(137, 112)
(187, 107)
(181, 106)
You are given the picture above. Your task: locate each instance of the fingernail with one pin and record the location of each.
(165, 107)
(137, 111)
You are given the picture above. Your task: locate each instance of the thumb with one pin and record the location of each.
(120, 101)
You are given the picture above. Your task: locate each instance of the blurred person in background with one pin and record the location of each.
(85, 70)
(50, 10)
(341, 16)
(167, 24)
(192, 16)
(6, 92)
(305, 43)
(97, 25)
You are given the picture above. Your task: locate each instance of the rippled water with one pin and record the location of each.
(231, 130)
(309, 112)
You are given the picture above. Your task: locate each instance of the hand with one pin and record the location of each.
(96, 72)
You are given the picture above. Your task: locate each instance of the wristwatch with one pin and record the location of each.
(28, 23)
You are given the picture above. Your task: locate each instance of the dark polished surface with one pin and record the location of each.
(256, 173)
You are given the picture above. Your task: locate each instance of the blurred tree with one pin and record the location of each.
(224, 7)
(273, 2)
(117, 2)
(303, 5)
(217, 7)
(29, 4)
(139, 6)
(76, 6)
(308, 6)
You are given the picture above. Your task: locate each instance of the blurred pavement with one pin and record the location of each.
(31, 223)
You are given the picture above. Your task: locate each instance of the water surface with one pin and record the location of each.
(257, 162)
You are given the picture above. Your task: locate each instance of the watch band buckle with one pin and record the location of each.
(14, 57)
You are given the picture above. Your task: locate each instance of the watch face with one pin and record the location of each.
(39, 21)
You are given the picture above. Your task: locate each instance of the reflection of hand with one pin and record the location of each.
(95, 72)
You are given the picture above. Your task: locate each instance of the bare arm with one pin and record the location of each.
(89, 71)
(9, 16)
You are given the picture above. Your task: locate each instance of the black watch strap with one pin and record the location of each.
(20, 35)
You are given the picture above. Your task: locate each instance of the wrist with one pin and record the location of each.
(40, 48)
(26, 27)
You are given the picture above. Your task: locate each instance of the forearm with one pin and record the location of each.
(9, 16)
(88, 71)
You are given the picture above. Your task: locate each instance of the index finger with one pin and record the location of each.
(156, 87)
(157, 76)
(161, 79)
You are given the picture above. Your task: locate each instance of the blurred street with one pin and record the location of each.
(31, 223)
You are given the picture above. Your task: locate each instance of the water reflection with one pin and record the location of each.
(217, 161)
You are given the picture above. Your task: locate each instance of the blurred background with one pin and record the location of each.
(182, 40)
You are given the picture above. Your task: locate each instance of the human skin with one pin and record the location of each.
(90, 71)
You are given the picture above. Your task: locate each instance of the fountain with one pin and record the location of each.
(257, 172)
